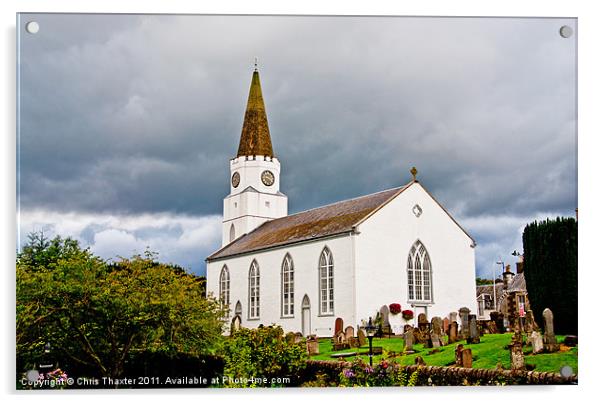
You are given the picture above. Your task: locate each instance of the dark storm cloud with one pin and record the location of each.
(139, 114)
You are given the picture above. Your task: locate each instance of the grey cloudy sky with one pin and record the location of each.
(127, 122)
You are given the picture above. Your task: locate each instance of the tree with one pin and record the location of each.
(550, 267)
(484, 281)
(95, 314)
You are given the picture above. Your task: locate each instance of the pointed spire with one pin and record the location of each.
(255, 137)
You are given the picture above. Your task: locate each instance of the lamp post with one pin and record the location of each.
(370, 330)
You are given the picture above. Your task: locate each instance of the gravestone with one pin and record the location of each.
(349, 336)
(536, 342)
(473, 334)
(313, 347)
(235, 324)
(422, 321)
(464, 330)
(517, 358)
(384, 314)
(549, 338)
(491, 327)
(298, 337)
(406, 327)
(361, 338)
(437, 339)
(445, 325)
(408, 337)
(349, 332)
(338, 326)
(467, 358)
(453, 332)
(419, 360)
(570, 341)
(458, 354)
(453, 317)
(498, 318)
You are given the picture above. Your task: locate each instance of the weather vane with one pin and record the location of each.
(255, 63)
(413, 171)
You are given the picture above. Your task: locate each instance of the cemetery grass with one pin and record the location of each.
(487, 354)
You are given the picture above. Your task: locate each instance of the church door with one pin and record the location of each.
(305, 316)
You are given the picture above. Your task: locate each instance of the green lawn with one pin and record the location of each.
(486, 354)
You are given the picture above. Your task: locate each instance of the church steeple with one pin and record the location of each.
(255, 137)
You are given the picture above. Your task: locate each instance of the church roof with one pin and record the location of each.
(333, 219)
(255, 137)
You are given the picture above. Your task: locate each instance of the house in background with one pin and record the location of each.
(511, 296)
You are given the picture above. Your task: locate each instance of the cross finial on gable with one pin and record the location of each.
(413, 171)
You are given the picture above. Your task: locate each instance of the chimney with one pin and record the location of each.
(508, 276)
(520, 264)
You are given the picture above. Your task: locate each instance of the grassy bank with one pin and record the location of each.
(486, 354)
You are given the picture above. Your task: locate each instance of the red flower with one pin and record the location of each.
(407, 314)
(395, 308)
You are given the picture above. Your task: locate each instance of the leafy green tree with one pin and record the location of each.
(95, 315)
(484, 281)
(262, 352)
(550, 267)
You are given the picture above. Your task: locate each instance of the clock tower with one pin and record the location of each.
(255, 195)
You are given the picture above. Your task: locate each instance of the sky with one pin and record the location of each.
(127, 122)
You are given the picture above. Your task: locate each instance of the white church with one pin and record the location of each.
(343, 260)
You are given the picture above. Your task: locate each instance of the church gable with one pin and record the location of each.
(333, 219)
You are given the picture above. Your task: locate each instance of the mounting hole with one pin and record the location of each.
(32, 27)
(566, 371)
(566, 31)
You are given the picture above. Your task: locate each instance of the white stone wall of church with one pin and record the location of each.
(382, 249)
(305, 259)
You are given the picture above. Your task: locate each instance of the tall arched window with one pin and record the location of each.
(419, 274)
(232, 232)
(288, 286)
(326, 283)
(224, 287)
(254, 291)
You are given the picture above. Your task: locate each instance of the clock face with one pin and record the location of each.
(235, 179)
(267, 178)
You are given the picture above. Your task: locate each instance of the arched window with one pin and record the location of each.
(232, 232)
(254, 291)
(326, 283)
(288, 286)
(224, 287)
(419, 274)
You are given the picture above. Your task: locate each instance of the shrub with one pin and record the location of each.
(550, 267)
(407, 314)
(394, 308)
(262, 353)
(385, 373)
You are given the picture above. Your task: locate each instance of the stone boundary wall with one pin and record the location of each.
(452, 376)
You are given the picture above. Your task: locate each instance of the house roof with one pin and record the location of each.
(488, 289)
(255, 137)
(518, 283)
(333, 219)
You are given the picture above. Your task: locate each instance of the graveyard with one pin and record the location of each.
(459, 341)
(491, 351)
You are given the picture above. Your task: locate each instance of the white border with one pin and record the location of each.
(589, 180)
